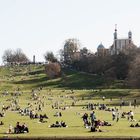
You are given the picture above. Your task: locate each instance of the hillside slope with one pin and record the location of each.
(33, 76)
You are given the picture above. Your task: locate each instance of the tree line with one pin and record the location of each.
(11, 57)
(124, 66)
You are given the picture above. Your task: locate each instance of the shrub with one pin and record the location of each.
(53, 70)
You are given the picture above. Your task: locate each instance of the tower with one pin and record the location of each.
(34, 59)
(115, 33)
(115, 39)
(130, 36)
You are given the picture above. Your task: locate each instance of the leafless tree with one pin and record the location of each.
(71, 48)
(14, 57)
(7, 56)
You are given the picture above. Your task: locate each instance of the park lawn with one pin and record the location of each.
(72, 116)
(76, 87)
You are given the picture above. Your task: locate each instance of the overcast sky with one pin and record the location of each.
(37, 26)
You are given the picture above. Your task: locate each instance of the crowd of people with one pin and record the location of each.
(35, 110)
(93, 123)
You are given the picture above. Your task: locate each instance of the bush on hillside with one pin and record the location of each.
(53, 70)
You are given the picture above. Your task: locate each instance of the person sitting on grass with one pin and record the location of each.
(105, 123)
(36, 116)
(2, 114)
(63, 124)
(17, 129)
(39, 108)
(41, 120)
(45, 116)
(24, 128)
(58, 124)
(136, 125)
(123, 115)
(1, 123)
(58, 114)
(21, 128)
(96, 127)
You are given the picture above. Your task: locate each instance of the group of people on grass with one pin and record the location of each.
(116, 115)
(18, 128)
(92, 106)
(58, 124)
(135, 125)
(94, 124)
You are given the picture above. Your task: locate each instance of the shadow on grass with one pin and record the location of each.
(71, 81)
(37, 72)
(108, 94)
(31, 81)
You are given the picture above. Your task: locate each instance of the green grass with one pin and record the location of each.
(72, 116)
(27, 77)
(87, 89)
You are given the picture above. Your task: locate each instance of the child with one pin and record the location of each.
(10, 129)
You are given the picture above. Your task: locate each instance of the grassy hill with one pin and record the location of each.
(31, 76)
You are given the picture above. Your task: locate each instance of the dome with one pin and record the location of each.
(101, 46)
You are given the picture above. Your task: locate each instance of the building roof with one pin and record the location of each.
(101, 46)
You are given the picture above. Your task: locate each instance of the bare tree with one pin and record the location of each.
(20, 57)
(7, 56)
(71, 48)
(14, 57)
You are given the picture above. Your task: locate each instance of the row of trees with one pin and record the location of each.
(134, 72)
(122, 67)
(14, 57)
(18, 56)
(113, 67)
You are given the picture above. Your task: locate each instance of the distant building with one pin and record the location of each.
(119, 45)
(102, 51)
